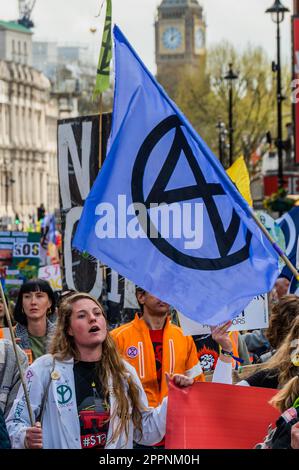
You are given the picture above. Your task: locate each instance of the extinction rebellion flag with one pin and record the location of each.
(162, 211)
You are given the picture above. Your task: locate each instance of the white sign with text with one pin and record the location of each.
(52, 275)
(254, 317)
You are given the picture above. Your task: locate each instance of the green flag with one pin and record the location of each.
(103, 71)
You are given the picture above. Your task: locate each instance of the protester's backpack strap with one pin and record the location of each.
(43, 404)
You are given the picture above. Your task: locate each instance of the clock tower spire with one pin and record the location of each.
(180, 40)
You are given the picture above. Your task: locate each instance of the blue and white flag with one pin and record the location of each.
(48, 228)
(163, 212)
(289, 224)
(294, 284)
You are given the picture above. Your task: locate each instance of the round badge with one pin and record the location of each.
(55, 375)
(132, 352)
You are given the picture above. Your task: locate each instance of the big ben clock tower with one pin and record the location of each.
(180, 40)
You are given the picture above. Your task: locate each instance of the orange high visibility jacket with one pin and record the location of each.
(179, 355)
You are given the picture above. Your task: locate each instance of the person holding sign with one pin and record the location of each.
(83, 393)
(35, 303)
(283, 365)
(155, 346)
(283, 436)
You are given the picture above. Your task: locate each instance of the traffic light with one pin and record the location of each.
(17, 219)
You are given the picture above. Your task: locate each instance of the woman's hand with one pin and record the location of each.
(179, 380)
(34, 437)
(221, 336)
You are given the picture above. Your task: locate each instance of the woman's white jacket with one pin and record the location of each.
(61, 428)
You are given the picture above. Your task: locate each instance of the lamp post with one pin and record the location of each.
(222, 132)
(230, 77)
(277, 14)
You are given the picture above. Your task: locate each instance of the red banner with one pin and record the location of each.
(291, 183)
(218, 416)
(296, 77)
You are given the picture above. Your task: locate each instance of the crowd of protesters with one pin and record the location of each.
(93, 388)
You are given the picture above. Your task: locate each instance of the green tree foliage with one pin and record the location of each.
(204, 98)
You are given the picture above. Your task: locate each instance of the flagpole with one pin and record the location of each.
(14, 343)
(276, 247)
(100, 131)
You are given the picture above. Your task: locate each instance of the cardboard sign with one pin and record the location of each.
(255, 316)
(52, 275)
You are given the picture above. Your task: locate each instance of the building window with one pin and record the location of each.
(19, 59)
(25, 53)
(13, 50)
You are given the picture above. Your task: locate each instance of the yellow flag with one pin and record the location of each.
(238, 173)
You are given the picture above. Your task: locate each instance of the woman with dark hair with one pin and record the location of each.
(84, 393)
(35, 303)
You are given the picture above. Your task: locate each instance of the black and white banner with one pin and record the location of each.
(78, 163)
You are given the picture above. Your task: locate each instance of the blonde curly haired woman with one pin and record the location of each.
(83, 392)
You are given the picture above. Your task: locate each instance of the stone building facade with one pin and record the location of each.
(28, 143)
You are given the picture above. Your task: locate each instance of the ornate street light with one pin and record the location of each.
(278, 12)
(230, 77)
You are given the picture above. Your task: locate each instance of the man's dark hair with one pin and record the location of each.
(139, 290)
(64, 295)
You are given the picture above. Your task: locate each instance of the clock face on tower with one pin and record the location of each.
(172, 38)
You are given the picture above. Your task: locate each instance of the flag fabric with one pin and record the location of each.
(103, 70)
(218, 416)
(48, 228)
(275, 232)
(289, 224)
(294, 284)
(238, 173)
(158, 169)
(47, 236)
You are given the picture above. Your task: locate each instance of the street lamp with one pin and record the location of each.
(277, 14)
(222, 133)
(230, 77)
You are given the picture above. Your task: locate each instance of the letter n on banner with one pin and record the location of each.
(78, 163)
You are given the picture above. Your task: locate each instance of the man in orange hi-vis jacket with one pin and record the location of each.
(156, 347)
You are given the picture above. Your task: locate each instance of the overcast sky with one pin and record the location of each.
(239, 21)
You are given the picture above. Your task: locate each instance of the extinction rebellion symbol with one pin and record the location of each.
(132, 352)
(208, 192)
